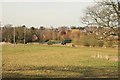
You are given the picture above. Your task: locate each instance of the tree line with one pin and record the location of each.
(101, 28)
(87, 36)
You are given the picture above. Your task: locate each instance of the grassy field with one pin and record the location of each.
(45, 61)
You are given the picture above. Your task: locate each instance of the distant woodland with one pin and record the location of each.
(101, 29)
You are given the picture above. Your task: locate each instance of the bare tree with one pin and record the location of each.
(24, 33)
(102, 14)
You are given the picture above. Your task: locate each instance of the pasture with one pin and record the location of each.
(53, 61)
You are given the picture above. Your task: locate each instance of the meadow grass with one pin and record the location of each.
(50, 61)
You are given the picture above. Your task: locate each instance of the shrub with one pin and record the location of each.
(43, 41)
(93, 42)
(67, 41)
(86, 43)
(90, 41)
(109, 44)
(76, 41)
(50, 43)
(100, 43)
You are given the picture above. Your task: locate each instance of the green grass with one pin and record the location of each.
(43, 61)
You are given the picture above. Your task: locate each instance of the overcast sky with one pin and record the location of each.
(43, 13)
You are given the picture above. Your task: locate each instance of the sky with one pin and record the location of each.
(45, 14)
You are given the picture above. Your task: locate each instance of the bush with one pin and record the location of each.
(43, 41)
(109, 44)
(50, 43)
(90, 41)
(93, 42)
(86, 43)
(76, 41)
(67, 41)
(100, 43)
(19, 41)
